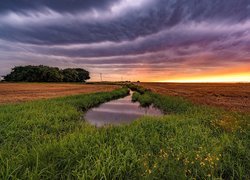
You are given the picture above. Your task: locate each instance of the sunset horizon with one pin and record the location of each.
(144, 40)
(125, 89)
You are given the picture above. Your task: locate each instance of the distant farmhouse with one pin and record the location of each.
(1, 78)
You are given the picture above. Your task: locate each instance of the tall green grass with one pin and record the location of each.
(48, 139)
(28, 126)
(224, 134)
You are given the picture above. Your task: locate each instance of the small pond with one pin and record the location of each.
(120, 111)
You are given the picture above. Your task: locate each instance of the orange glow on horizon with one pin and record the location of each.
(239, 77)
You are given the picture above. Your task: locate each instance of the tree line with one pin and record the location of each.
(46, 74)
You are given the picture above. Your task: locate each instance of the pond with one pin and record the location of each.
(120, 111)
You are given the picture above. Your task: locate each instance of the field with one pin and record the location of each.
(19, 92)
(49, 139)
(231, 96)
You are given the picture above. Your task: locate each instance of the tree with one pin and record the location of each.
(46, 74)
(82, 75)
(70, 75)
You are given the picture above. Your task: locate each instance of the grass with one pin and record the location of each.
(28, 129)
(212, 142)
(48, 139)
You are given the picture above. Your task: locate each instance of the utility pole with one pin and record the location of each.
(1, 78)
(101, 76)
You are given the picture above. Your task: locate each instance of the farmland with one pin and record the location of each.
(49, 139)
(20, 92)
(231, 96)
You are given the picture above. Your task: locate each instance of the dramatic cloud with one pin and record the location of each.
(144, 39)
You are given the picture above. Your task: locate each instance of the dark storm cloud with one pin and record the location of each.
(123, 34)
(60, 6)
(138, 22)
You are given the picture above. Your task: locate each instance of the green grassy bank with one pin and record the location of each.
(202, 141)
(49, 140)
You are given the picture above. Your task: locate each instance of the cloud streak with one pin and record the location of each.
(123, 36)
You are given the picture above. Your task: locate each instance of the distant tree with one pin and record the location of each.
(46, 74)
(70, 75)
(52, 75)
(82, 75)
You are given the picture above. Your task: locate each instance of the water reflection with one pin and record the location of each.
(121, 111)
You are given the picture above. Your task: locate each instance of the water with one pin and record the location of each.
(120, 111)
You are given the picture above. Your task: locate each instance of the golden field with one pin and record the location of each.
(20, 92)
(232, 96)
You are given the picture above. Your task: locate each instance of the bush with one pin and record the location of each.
(137, 88)
(135, 96)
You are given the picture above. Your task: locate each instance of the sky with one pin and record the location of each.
(145, 40)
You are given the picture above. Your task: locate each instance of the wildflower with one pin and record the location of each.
(202, 164)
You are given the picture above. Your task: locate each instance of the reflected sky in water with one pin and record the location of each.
(121, 111)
